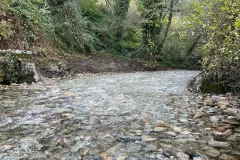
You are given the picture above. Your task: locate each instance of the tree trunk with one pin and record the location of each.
(167, 27)
(189, 51)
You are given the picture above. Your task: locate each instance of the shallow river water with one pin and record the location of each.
(128, 116)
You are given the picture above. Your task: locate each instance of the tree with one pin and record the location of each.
(219, 23)
(156, 21)
(120, 12)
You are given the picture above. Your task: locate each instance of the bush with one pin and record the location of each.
(10, 69)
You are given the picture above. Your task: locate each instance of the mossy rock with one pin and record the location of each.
(207, 84)
(211, 87)
(17, 69)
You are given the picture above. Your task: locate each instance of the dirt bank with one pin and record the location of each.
(72, 65)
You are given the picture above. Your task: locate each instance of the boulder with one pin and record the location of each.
(17, 68)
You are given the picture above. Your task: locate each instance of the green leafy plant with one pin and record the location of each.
(11, 68)
(218, 23)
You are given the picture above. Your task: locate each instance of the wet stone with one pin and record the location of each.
(132, 158)
(125, 138)
(103, 116)
(231, 121)
(122, 157)
(77, 147)
(160, 129)
(214, 119)
(148, 138)
(198, 115)
(69, 115)
(212, 152)
(237, 130)
(231, 111)
(227, 157)
(151, 147)
(219, 144)
(182, 156)
(177, 129)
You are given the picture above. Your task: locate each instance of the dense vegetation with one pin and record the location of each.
(160, 33)
(218, 23)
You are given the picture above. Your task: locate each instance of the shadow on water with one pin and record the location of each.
(208, 87)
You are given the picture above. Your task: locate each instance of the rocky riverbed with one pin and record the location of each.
(128, 116)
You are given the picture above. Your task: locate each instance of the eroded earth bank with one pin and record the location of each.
(124, 116)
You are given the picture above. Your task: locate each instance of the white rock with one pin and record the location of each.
(212, 152)
(177, 129)
(214, 119)
(159, 129)
(198, 115)
(77, 147)
(219, 144)
(148, 138)
(182, 156)
(223, 103)
(231, 111)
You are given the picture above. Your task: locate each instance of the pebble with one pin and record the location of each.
(182, 156)
(77, 147)
(148, 138)
(212, 152)
(6, 147)
(69, 115)
(160, 129)
(183, 120)
(231, 121)
(227, 157)
(214, 119)
(231, 111)
(185, 132)
(124, 157)
(223, 103)
(177, 129)
(171, 133)
(106, 156)
(219, 144)
(227, 132)
(110, 118)
(198, 115)
(237, 130)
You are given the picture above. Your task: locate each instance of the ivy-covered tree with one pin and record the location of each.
(120, 11)
(156, 21)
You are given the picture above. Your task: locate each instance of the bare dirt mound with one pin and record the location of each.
(98, 64)
(93, 64)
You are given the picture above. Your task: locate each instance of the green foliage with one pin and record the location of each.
(25, 22)
(131, 42)
(5, 29)
(11, 68)
(78, 24)
(152, 22)
(91, 9)
(218, 23)
(120, 12)
(86, 26)
(4, 5)
(156, 21)
(121, 9)
(5, 26)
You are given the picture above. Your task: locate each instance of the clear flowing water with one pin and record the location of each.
(113, 116)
